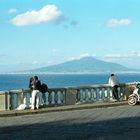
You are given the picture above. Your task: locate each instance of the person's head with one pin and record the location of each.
(35, 78)
(31, 78)
(112, 74)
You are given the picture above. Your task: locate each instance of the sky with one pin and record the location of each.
(38, 33)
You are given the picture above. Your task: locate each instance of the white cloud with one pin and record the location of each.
(84, 55)
(55, 50)
(117, 22)
(39, 63)
(115, 56)
(130, 59)
(123, 56)
(35, 62)
(12, 10)
(31, 63)
(49, 13)
(71, 58)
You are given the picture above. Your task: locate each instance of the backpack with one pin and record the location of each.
(44, 88)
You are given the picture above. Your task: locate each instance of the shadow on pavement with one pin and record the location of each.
(116, 129)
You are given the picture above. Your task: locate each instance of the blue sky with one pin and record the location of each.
(36, 33)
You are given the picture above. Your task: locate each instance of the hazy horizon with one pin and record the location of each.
(38, 33)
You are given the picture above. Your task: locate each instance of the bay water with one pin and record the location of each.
(21, 81)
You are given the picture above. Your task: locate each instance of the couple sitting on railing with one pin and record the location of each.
(36, 89)
(113, 81)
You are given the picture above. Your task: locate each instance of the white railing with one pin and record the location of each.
(11, 99)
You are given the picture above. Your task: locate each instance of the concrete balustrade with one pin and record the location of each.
(10, 100)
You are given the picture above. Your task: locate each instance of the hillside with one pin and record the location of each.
(87, 64)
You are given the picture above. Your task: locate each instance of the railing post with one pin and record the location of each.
(50, 98)
(19, 99)
(11, 101)
(105, 94)
(100, 93)
(71, 96)
(81, 95)
(59, 97)
(89, 95)
(7, 101)
(95, 94)
(129, 89)
(4, 101)
(92, 95)
(78, 97)
(46, 101)
(111, 93)
(56, 98)
(121, 91)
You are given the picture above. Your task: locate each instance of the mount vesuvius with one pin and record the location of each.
(86, 64)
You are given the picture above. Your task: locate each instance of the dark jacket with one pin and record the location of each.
(36, 84)
(30, 83)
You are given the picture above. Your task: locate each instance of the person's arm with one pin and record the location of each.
(109, 81)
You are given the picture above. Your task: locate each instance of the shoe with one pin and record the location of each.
(37, 107)
(114, 100)
(32, 108)
(118, 100)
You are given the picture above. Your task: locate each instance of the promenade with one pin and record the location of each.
(102, 121)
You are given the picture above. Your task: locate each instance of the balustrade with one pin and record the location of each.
(64, 96)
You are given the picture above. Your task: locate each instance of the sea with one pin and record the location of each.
(21, 81)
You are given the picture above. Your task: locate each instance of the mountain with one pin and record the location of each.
(86, 64)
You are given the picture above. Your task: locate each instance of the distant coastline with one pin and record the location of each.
(72, 73)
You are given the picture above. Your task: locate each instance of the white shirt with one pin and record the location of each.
(113, 81)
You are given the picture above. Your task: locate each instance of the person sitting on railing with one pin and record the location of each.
(36, 85)
(31, 88)
(30, 84)
(113, 81)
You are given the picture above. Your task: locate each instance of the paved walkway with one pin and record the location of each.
(101, 123)
(62, 108)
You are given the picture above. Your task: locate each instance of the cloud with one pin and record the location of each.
(117, 22)
(123, 56)
(48, 13)
(31, 63)
(74, 23)
(12, 10)
(130, 59)
(70, 23)
(115, 56)
(84, 55)
(55, 50)
(35, 63)
(3, 55)
(71, 58)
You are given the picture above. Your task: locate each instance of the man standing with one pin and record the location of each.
(36, 85)
(113, 81)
